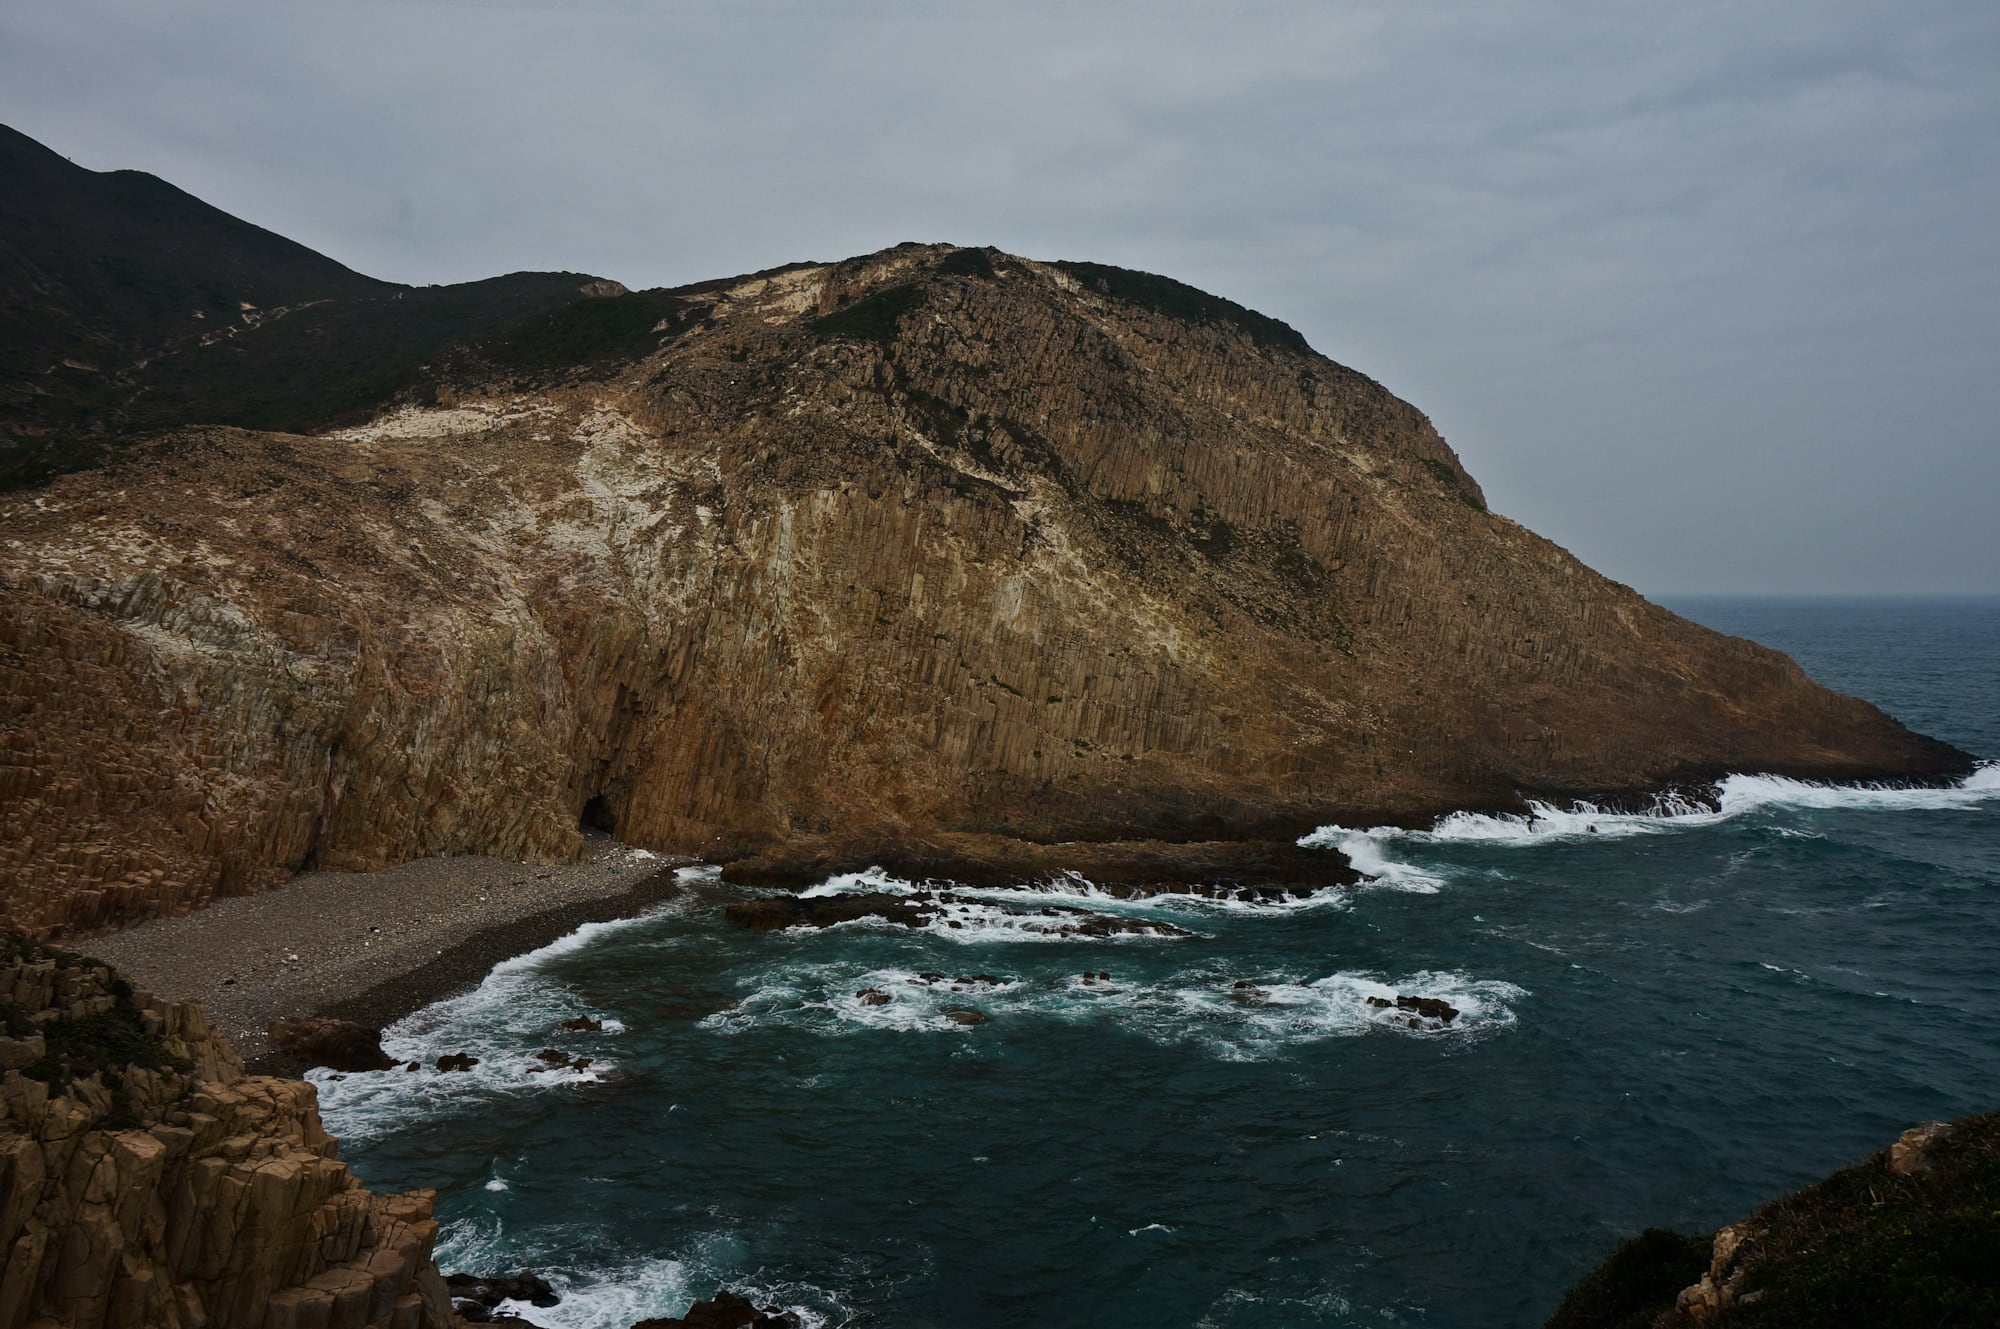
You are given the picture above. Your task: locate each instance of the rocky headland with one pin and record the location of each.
(938, 547)
(147, 1183)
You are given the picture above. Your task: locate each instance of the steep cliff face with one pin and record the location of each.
(933, 541)
(146, 1183)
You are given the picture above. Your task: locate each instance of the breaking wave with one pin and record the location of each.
(515, 1011)
(1734, 796)
(1074, 890)
(621, 1293)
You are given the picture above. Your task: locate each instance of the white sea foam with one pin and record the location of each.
(1747, 793)
(870, 881)
(1246, 1023)
(516, 1010)
(1734, 796)
(1234, 1018)
(615, 1295)
(1074, 890)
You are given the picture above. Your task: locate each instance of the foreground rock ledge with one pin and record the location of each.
(933, 541)
(147, 1183)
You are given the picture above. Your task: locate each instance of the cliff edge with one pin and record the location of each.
(930, 544)
(147, 1183)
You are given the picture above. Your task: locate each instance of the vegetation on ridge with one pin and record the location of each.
(874, 317)
(1867, 1246)
(1164, 295)
(99, 1043)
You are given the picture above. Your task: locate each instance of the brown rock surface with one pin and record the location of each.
(928, 543)
(146, 1182)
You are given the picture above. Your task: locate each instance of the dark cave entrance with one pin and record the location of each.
(598, 816)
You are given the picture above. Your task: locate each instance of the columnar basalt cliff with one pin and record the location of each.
(147, 1183)
(934, 543)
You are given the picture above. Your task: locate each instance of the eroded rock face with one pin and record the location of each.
(915, 545)
(164, 1189)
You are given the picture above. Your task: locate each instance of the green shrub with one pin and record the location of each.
(873, 318)
(967, 263)
(1163, 295)
(595, 330)
(1635, 1283)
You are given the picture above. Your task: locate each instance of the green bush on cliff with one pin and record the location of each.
(967, 263)
(101, 1043)
(1164, 295)
(592, 331)
(1638, 1281)
(874, 318)
(1867, 1246)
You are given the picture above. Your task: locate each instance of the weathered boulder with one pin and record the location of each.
(1911, 1153)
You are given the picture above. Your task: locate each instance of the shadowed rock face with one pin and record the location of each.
(926, 544)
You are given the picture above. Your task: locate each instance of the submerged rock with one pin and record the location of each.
(491, 1291)
(924, 909)
(1428, 1008)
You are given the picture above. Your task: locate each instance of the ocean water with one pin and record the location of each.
(1664, 1020)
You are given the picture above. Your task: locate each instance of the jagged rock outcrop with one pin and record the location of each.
(147, 1183)
(937, 542)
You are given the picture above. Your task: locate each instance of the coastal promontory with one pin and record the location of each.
(937, 548)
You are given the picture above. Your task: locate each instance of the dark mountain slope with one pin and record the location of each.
(127, 305)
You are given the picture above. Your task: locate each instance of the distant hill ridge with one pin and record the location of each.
(128, 305)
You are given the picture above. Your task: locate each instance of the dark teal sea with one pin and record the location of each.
(1666, 1020)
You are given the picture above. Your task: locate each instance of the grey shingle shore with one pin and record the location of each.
(373, 946)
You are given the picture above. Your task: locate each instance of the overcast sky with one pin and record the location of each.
(1707, 292)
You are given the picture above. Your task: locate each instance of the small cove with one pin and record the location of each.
(1663, 1020)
